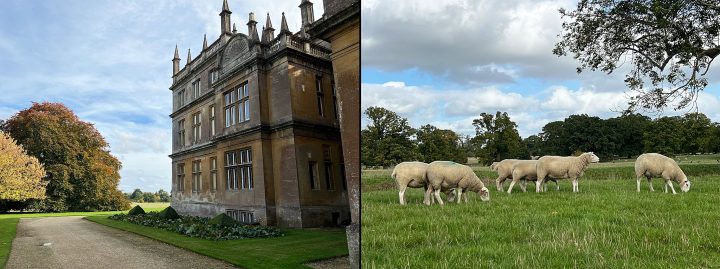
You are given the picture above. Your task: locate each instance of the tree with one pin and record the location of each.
(671, 44)
(630, 133)
(20, 175)
(553, 137)
(386, 141)
(437, 144)
(82, 174)
(696, 130)
(664, 136)
(534, 145)
(164, 196)
(136, 195)
(149, 197)
(497, 138)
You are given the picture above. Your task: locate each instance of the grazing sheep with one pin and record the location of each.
(652, 165)
(443, 174)
(526, 170)
(412, 174)
(563, 167)
(504, 170)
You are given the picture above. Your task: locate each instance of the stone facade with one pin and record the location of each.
(340, 25)
(255, 129)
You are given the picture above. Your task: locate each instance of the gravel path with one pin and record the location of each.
(72, 242)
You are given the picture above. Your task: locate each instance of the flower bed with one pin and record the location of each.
(199, 227)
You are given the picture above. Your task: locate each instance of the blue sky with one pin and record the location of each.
(444, 62)
(110, 61)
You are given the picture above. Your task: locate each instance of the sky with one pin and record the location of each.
(444, 62)
(110, 62)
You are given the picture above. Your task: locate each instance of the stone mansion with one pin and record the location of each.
(255, 127)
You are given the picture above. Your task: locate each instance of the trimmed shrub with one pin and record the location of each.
(223, 220)
(169, 213)
(137, 210)
(199, 227)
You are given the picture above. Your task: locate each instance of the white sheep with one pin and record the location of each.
(527, 171)
(564, 167)
(652, 165)
(444, 174)
(412, 174)
(504, 170)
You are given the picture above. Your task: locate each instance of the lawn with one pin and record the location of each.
(8, 224)
(607, 225)
(290, 251)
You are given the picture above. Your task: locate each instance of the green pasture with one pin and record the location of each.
(607, 225)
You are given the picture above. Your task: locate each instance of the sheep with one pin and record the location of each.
(412, 174)
(444, 174)
(652, 165)
(504, 170)
(564, 167)
(526, 170)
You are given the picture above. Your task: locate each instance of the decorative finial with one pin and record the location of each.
(177, 55)
(204, 41)
(189, 59)
(225, 6)
(234, 29)
(284, 25)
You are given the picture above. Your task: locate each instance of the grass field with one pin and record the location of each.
(607, 225)
(8, 224)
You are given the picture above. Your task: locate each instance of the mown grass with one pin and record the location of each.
(607, 225)
(290, 251)
(8, 224)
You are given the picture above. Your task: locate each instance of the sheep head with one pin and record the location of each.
(484, 194)
(685, 187)
(593, 158)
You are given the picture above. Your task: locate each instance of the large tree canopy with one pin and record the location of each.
(20, 175)
(497, 138)
(439, 145)
(386, 141)
(670, 44)
(82, 174)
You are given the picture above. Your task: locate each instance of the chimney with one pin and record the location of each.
(306, 11)
(252, 28)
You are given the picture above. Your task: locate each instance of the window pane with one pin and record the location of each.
(247, 110)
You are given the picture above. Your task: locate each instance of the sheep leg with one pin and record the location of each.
(539, 183)
(650, 184)
(402, 194)
(666, 184)
(638, 184)
(459, 195)
(523, 185)
(466, 198)
(428, 194)
(437, 196)
(512, 184)
(499, 183)
(557, 186)
(671, 186)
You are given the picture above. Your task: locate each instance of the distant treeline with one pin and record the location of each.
(389, 139)
(139, 196)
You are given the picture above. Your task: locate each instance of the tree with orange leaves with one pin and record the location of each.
(82, 175)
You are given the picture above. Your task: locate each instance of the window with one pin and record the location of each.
(314, 180)
(241, 216)
(238, 169)
(181, 98)
(180, 183)
(197, 176)
(320, 96)
(334, 93)
(329, 183)
(196, 89)
(244, 100)
(212, 120)
(213, 173)
(197, 128)
(214, 75)
(230, 103)
(237, 100)
(181, 133)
